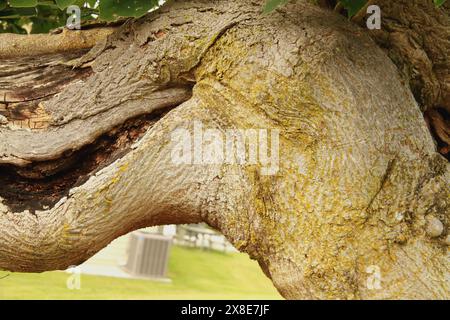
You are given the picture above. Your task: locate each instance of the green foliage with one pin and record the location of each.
(273, 4)
(439, 2)
(18, 17)
(62, 4)
(353, 6)
(113, 9)
(23, 3)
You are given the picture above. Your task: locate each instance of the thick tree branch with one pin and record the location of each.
(358, 178)
(416, 36)
(15, 46)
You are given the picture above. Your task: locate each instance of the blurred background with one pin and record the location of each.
(169, 262)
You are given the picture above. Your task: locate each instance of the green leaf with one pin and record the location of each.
(353, 6)
(439, 2)
(49, 4)
(3, 4)
(273, 4)
(23, 3)
(113, 9)
(91, 3)
(16, 13)
(62, 4)
(13, 26)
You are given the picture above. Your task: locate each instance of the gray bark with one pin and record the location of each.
(360, 184)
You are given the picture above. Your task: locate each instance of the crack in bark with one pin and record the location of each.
(383, 181)
(42, 184)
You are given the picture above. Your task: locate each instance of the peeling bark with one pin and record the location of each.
(359, 172)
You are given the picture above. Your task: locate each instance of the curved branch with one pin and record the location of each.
(138, 190)
(15, 45)
(358, 178)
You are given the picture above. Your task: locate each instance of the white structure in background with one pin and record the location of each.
(145, 253)
(200, 236)
(148, 255)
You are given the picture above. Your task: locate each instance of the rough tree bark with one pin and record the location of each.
(85, 148)
(416, 37)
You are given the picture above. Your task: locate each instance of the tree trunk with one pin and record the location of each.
(86, 149)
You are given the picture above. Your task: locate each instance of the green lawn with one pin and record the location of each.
(195, 274)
